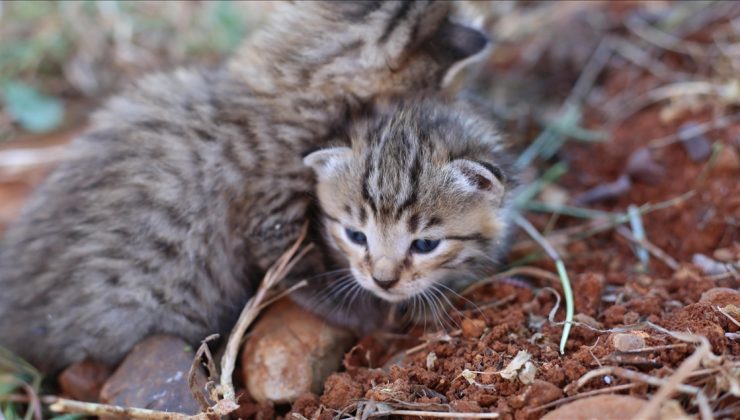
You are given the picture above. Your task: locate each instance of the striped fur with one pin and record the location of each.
(190, 184)
(420, 168)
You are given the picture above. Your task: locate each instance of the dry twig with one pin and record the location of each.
(276, 273)
(650, 247)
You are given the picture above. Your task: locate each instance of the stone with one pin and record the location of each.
(697, 146)
(642, 167)
(539, 393)
(291, 352)
(83, 380)
(473, 328)
(721, 296)
(630, 341)
(155, 375)
(728, 161)
(597, 408)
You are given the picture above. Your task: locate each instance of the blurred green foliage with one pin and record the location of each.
(17, 378)
(36, 112)
(51, 52)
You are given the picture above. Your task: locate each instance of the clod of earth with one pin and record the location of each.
(698, 147)
(598, 408)
(642, 167)
(291, 352)
(83, 380)
(631, 341)
(728, 162)
(154, 375)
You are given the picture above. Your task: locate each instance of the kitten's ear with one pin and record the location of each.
(480, 177)
(456, 47)
(454, 42)
(326, 162)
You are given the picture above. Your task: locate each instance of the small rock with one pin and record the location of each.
(473, 328)
(527, 374)
(697, 146)
(83, 380)
(631, 341)
(598, 407)
(725, 255)
(642, 167)
(605, 191)
(588, 320)
(631, 317)
(154, 375)
(431, 360)
(555, 195)
(291, 352)
(541, 392)
(721, 296)
(465, 406)
(709, 266)
(727, 162)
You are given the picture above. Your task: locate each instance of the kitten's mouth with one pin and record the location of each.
(389, 295)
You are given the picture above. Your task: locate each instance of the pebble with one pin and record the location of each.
(291, 352)
(473, 328)
(154, 375)
(725, 255)
(631, 341)
(728, 161)
(598, 407)
(465, 406)
(83, 380)
(605, 191)
(698, 147)
(721, 296)
(542, 392)
(641, 166)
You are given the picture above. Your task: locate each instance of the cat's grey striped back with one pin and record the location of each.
(189, 184)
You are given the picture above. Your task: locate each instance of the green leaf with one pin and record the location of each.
(69, 417)
(229, 26)
(10, 413)
(35, 111)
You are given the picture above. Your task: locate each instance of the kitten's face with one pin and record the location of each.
(418, 199)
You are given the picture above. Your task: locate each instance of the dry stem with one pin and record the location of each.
(650, 247)
(676, 380)
(63, 405)
(276, 273)
(435, 414)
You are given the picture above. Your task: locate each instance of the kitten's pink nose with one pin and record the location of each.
(385, 273)
(385, 284)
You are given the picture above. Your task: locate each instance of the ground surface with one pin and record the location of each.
(637, 114)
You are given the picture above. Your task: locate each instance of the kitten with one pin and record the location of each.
(188, 186)
(416, 202)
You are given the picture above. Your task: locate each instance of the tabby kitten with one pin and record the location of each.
(416, 202)
(188, 186)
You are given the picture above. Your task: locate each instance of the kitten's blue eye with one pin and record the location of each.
(424, 246)
(356, 236)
